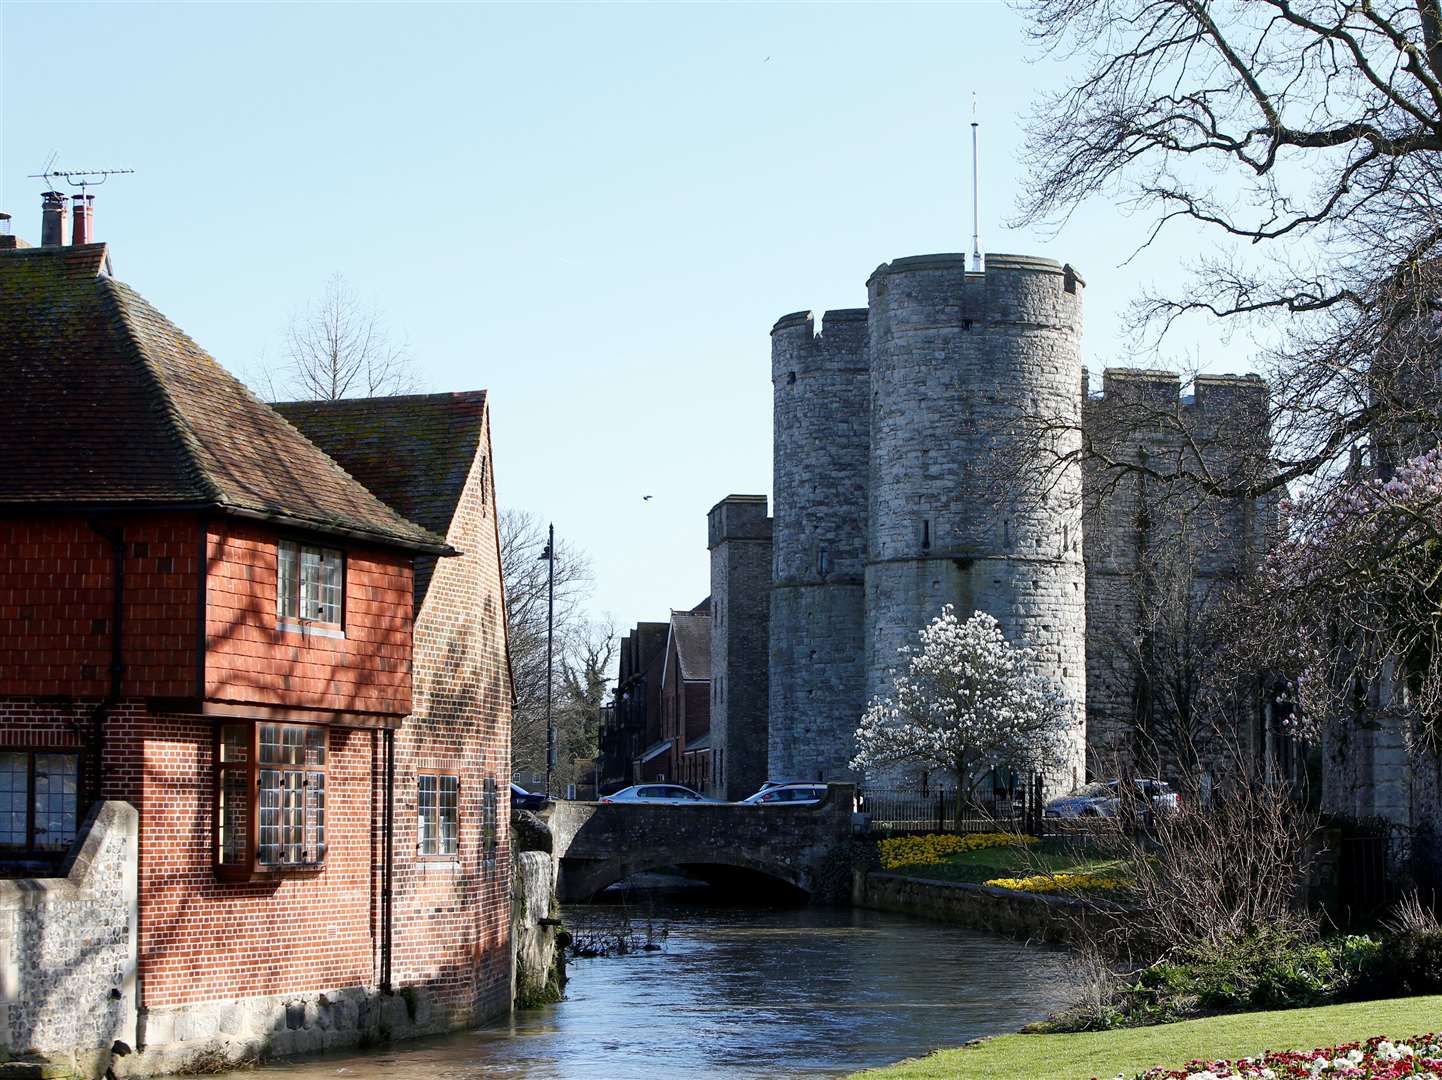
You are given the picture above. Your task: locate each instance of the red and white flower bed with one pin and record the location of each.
(1417, 1058)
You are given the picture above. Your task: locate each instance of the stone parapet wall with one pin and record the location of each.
(68, 949)
(979, 907)
(597, 844)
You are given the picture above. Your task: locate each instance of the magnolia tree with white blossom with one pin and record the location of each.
(968, 700)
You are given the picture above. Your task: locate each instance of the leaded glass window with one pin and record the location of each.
(39, 800)
(310, 583)
(438, 800)
(270, 791)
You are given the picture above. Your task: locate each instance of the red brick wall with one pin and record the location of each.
(452, 924)
(202, 939)
(56, 578)
(248, 658)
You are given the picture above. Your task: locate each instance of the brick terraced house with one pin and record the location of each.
(254, 698)
(686, 697)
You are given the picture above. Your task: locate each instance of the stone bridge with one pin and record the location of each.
(807, 847)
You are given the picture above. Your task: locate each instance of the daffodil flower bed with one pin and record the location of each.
(898, 851)
(1060, 881)
(1418, 1058)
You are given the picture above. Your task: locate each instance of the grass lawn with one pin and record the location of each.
(1000, 862)
(1106, 1053)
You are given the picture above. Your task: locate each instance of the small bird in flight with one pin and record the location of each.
(767, 60)
(645, 498)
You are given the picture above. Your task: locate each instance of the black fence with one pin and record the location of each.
(937, 809)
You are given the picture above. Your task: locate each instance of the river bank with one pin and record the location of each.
(1081, 1055)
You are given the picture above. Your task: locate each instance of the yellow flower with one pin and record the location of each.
(1061, 881)
(899, 851)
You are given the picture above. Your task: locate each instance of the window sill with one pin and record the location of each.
(268, 873)
(436, 866)
(290, 626)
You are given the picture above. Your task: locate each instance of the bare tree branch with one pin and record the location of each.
(339, 347)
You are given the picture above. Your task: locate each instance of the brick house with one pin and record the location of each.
(294, 670)
(631, 732)
(686, 696)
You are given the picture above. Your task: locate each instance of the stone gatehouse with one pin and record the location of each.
(897, 426)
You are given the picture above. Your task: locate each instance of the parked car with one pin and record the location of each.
(1099, 799)
(787, 795)
(521, 799)
(663, 794)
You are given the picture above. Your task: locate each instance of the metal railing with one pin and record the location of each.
(937, 809)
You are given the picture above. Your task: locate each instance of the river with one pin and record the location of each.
(744, 993)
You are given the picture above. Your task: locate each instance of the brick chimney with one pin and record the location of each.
(82, 224)
(9, 241)
(52, 219)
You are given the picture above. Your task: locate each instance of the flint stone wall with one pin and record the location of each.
(68, 948)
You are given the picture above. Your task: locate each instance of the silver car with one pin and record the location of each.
(659, 794)
(787, 795)
(1099, 799)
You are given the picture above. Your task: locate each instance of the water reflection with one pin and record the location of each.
(744, 993)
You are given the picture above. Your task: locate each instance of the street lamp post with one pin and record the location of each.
(549, 555)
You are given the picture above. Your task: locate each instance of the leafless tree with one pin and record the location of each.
(585, 678)
(1299, 139)
(1298, 144)
(523, 539)
(1191, 884)
(339, 347)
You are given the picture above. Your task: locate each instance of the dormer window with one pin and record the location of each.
(310, 587)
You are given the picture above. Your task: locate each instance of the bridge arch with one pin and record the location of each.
(582, 879)
(807, 848)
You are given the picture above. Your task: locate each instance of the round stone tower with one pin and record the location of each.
(817, 680)
(956, 359)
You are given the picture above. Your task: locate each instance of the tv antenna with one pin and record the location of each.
(76, 179)
(975, 193)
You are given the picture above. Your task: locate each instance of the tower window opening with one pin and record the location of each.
(925, 534)
(791, 378)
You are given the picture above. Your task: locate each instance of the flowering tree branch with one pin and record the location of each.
(968, 701)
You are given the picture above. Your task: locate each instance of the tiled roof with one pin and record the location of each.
(692, 634)
(415, 452)
(107, 403)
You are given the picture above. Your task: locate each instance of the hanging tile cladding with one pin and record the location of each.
(452, 923)
(248, 657)
(56, 575)
(203, 939)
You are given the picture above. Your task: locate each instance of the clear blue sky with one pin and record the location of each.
(594, 212)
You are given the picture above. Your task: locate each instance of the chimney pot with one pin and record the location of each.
(82, 226)
(52, 220)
